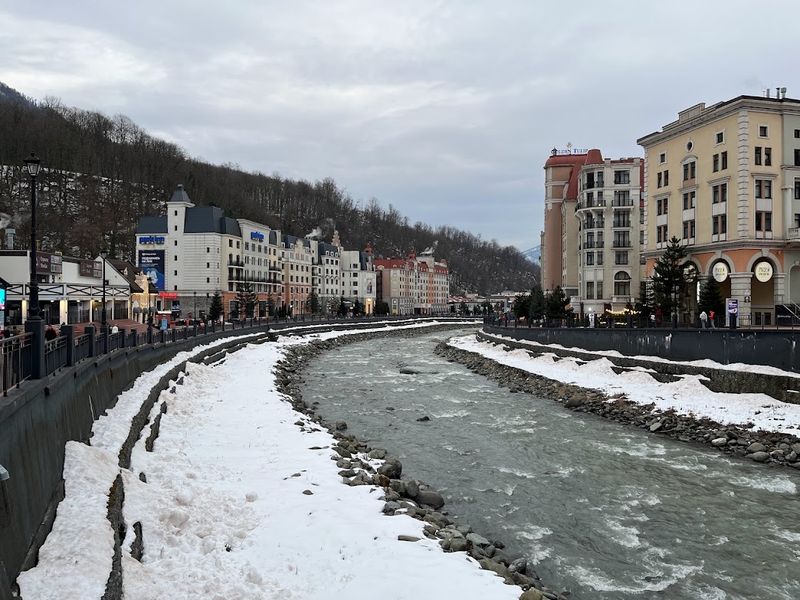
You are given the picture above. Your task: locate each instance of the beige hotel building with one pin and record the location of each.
(725, 180)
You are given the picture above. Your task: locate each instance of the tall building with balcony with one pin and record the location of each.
(609, 218)
(298, 257)
(725, 180)
(413, 285)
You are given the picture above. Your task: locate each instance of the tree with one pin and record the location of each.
(246, 300)
(521, 306)
(556, 304)
(312, 303)
(462, 308)
(270, 304)
(342, 307)
(452, 308)
(215, 310)
(536, 310)
(644, 305)
(381, 308)
(711, 297)
(669, 277)
(357, 308)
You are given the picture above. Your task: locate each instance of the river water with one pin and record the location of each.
(608, 511)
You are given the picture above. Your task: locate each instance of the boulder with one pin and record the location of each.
(574, 402)
(340, 425)
(412, 488)
(491, 565)
(424, 419)
(458, 544)
(392, 468)
(759, 456)
(721, 441)
(532, 594)
(378, 453)
(656, 426)
(430, 498)
(756, 447)
(477, 540)
(390, 507)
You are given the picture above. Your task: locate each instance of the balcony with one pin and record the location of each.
(592, 204)
(621, 299)
(622, 202)
(625, 224)
(793, 233)
(622, 244)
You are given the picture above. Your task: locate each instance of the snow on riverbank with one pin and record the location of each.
(686, 396)
(240, 502)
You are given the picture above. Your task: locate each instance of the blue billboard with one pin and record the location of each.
(152, 263)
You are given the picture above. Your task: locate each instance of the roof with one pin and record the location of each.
(210, 219)
(324, 247)
(291, 240)
(128, 270)
(180, 195)
(391, 263)
(152, 225)
(575, 162)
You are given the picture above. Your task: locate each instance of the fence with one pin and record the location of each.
(15, 360)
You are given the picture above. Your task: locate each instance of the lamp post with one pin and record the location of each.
(194, 314)
(149, 313)
(103, 321)
(32, 165)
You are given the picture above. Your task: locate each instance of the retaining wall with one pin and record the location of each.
(726, 346)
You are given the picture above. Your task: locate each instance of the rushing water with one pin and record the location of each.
(608, 511)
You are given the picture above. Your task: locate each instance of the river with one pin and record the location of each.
(608, 511)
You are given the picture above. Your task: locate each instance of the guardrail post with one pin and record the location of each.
(36, 327)
(68, 331)
(121, 343)
(91, 333)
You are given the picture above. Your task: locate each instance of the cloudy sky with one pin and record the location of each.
(446, 110)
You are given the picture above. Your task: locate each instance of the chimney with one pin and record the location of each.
(10, 235)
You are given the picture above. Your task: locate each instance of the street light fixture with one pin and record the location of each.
(103, 321)
(32, 166)
(149, 312)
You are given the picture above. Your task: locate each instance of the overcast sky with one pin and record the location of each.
(446, 110)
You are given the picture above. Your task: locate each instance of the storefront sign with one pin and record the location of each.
(168, 295)
(257, 235)
(720, 271)
(157, 240)
(2, 298)
(733, 306)
(763, 271)
(152, 263)
(48, 264)
(90, 268)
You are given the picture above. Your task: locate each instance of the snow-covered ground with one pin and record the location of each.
(240, 502)
(686, 396)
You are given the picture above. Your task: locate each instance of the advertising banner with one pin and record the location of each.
(152, 263)
(90, 268)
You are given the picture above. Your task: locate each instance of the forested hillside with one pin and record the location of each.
(102, 173)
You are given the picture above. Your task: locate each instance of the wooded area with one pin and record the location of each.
(101, 173)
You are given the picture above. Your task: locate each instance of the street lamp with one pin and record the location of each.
(194, 314)
(149, 312)
(103, 322)
(32, 165)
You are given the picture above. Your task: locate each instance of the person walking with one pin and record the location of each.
(703, 319)
(711, 319)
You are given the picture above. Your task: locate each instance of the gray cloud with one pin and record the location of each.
(447, 110)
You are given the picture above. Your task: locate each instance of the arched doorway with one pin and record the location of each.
(721, 272)
(794, 285)
(762, 293)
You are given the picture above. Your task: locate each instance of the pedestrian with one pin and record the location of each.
(50, 333)
(703, 319)
(711, 319)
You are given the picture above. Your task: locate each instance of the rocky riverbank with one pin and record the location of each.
(773, 449)
(360, 464)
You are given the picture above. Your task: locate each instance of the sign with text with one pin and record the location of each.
(152, 263)
(90, 268)
(48, 264)
(733, 306)
(257, 236)
(157, 240)
(763, 271)
(720, 271)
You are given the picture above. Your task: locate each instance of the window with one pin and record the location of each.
(622, 284)
(590, 290)
(176, 257)
(767, 157)
(724, 157)
(688, 229)
(797, 133)
(622, 177)
(763, 131)
(797, 157)
(662, 158)
(688, 200)
(758, 155)
(659, 179)
(230, 243)
(621, 258)
(719, 224)
(599, 258)
(175, 228)
(622, 198)
(661, 233)
(719, 193)
(763, 221)
(720, 137)
(689, 170)
(641, 237)
(797, 189)
(763, 188)
(715, 164)
(175, 243)
(661, 206)
(666, 178)
(175, 273)
(208, 250)
(599, 289)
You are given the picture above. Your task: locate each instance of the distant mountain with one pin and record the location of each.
(534, 255)
(100, 174)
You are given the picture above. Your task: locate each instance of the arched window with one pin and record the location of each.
(622, 284)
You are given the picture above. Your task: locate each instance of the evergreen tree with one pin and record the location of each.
(536, 310)
(711, 297)
(381, 308)
(270, 305)
(215, 310)
(357, 308)
(644, 305)
(312, 304)
(521, 306)
(669, 278)
(342, 307)
(246, 300)
(556, 304)
(463, 308)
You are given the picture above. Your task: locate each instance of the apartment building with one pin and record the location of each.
(358, 278)
(609, 225)
(725, 180)
(413, 285)
(592, 234)
(327, 279)
(298, 256)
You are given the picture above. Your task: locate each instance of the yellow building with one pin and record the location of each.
(725, 180)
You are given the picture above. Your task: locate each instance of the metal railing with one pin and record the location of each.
(82, 347)
(55, 354)
(15, 360)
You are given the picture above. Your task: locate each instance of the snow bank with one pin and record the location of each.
(686, 396)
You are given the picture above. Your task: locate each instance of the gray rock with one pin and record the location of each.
(532, 594)
(656, 426)
(491, 565)
(408, 538)
(759, 456)
(477, 540)
(518, 565)
(721, 441)
(340, 425)
(458, 544)
(412, 488)
(378, 453)
(424, 419)
(792, 456)
(796, 448)
(398, 485)
(390, 507)
(430, 498)
(392, 468)
(574, 402)
(408, 371)
(756, 447)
